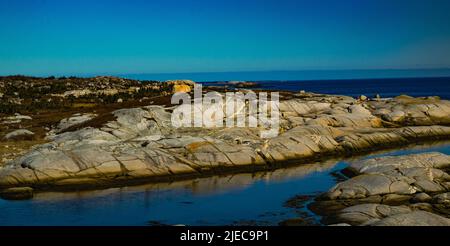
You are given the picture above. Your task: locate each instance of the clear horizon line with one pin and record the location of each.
(224, 72)
(287, 70)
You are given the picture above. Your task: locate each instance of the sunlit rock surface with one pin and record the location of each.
(142, 144)
(391, 191)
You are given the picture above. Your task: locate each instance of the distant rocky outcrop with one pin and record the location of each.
(181, 85)
(243, 84)
(232, 84)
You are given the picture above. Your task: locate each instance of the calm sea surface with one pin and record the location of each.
(387, 83)
(416, 87)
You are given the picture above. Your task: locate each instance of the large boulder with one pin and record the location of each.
(394, 175)
(390, 191)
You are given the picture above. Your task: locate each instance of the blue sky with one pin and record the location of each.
(62, 37)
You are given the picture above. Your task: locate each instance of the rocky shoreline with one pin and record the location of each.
(140, 145)
(409, 190)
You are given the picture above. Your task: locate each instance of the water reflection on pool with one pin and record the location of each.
(238, 199)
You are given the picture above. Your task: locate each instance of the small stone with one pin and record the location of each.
(18, 193)
(19, 135)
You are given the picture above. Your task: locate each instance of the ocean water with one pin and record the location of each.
(241, 199)
(303, 75)
(386, 83)
(417, 87)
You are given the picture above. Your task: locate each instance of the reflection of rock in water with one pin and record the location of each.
(240, 181)
(217, 184)
(201, 186)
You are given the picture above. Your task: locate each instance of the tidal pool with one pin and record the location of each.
(240, 199)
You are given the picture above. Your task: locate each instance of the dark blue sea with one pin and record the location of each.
(417, 87)
(387, 83)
